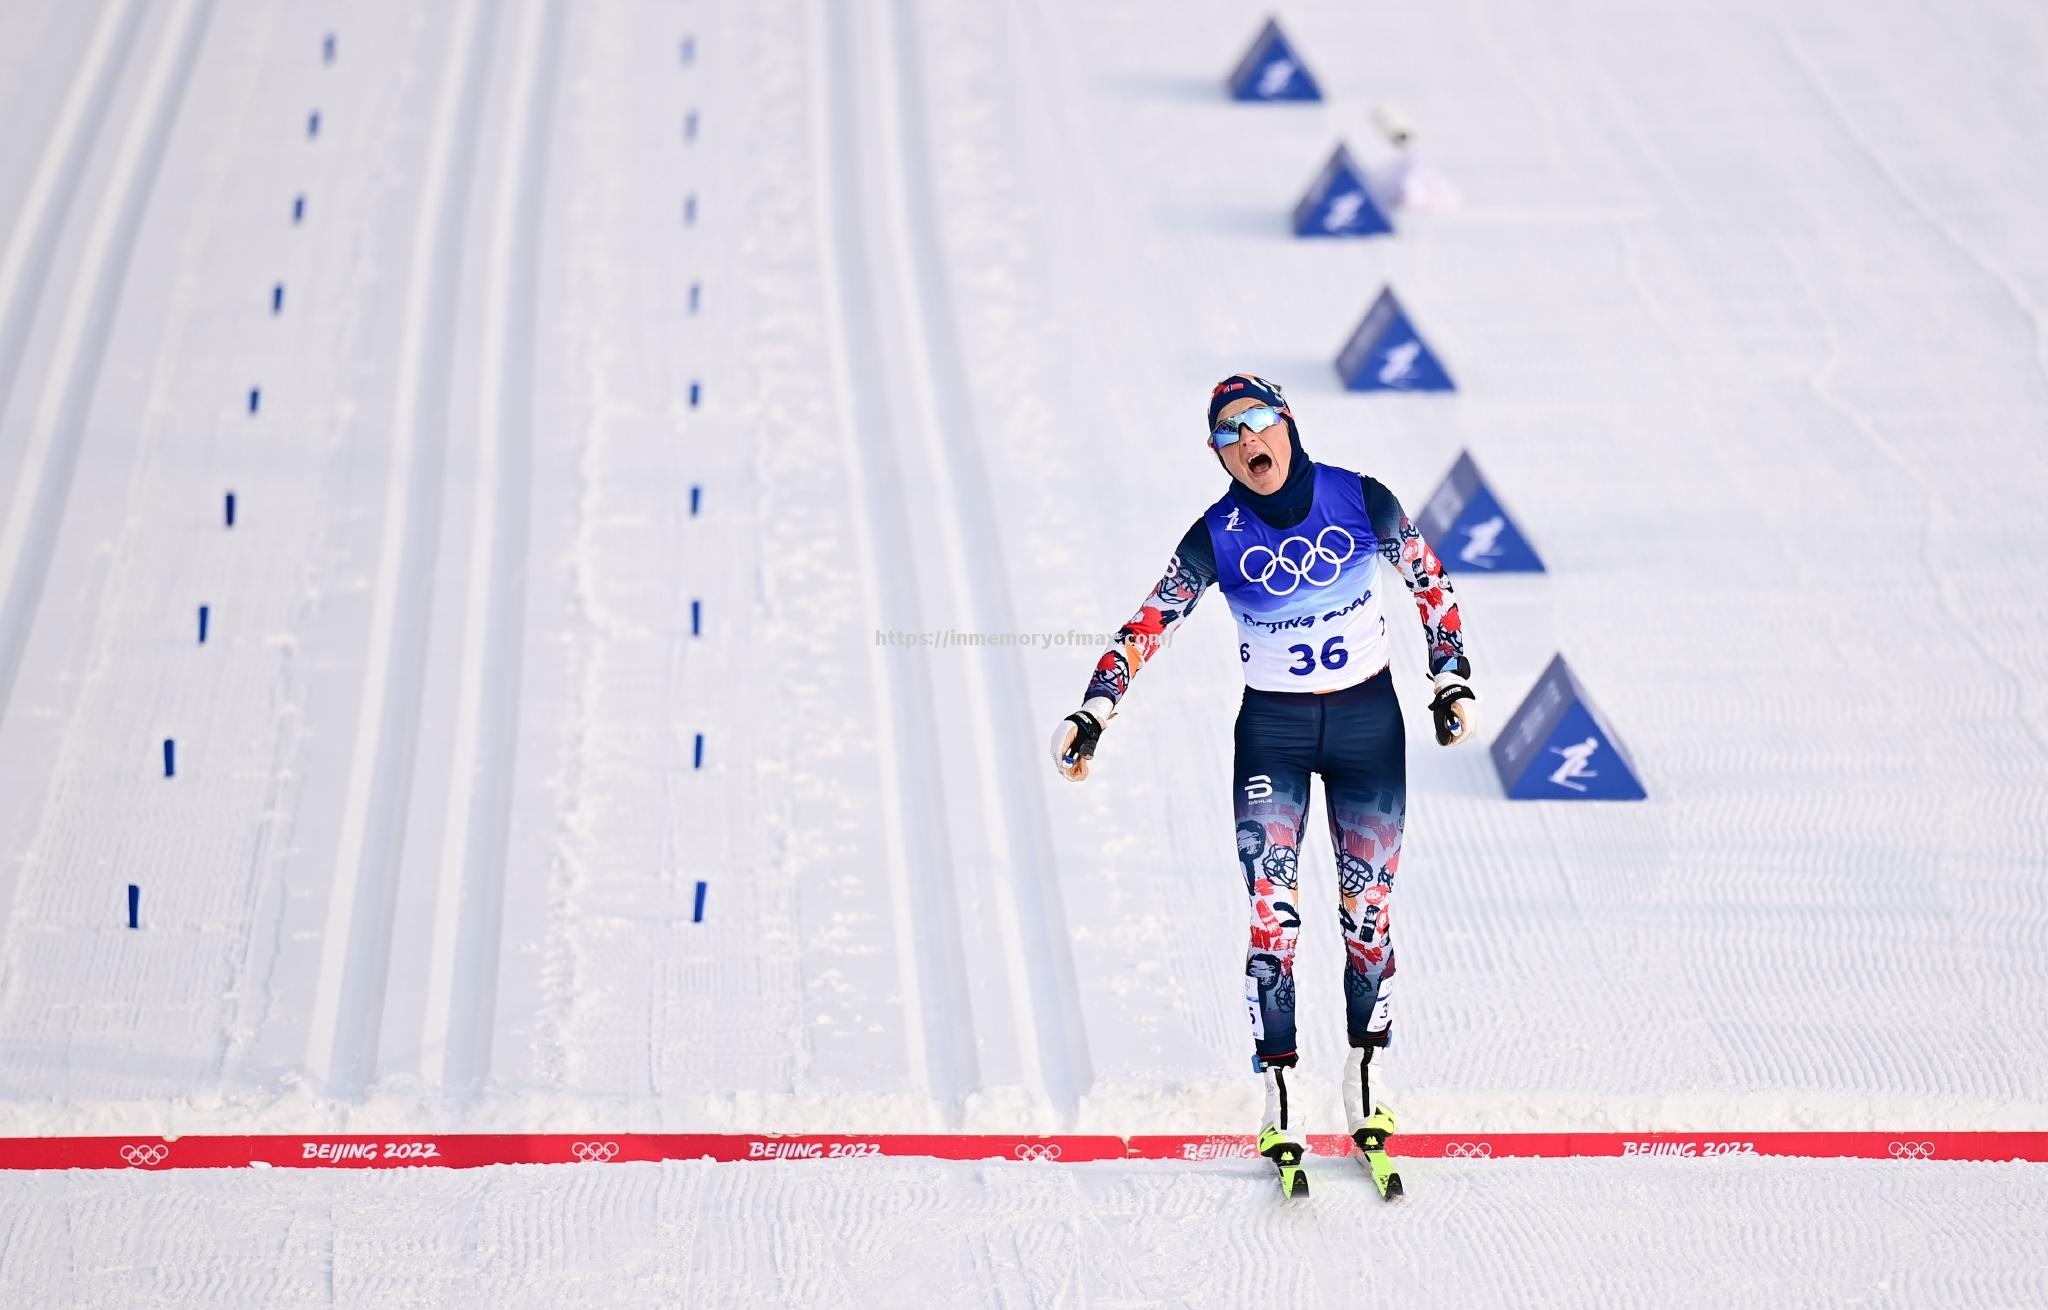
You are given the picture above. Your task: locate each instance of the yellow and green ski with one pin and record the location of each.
(1371, 1141)
(1286, 1154)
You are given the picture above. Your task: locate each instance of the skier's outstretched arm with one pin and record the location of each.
(1443, 629)
(1188, 574)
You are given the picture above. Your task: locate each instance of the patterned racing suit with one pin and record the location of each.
(1318, 700)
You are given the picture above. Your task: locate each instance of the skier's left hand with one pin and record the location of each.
(1455, 708)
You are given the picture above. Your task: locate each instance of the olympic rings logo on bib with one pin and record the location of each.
(1302, 568)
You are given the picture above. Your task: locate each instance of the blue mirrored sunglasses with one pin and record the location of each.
(1258, 420)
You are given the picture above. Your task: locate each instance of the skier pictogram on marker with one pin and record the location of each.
(1558, 747)
(1339, 203)
(1271, 70)
(1472, 527)
(1387, 353)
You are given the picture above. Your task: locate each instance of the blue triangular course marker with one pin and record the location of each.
(1339, 204)
(1558, 748)
(1270, 70)
(1467, 525)
(1386, 353)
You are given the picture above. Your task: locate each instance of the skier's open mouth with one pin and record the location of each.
(1260, 465)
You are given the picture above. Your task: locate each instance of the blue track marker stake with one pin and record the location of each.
(255, 398)
(277, 299)
(689, 50)
(202, 625)
(134, 906)
(696, 499)
(700, 752)
(170, 758)
(327, 49)
(313, 124)
(689, 209)
(698, 917)
(696, 296)
(696, 618)
(298, 208)
(696, 393)
(690, 126)
(231, 509)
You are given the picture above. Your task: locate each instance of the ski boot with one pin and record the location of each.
(1370, 1125)
(1279, 1139)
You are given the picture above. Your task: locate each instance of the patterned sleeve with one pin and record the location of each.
(1402, 546)
(1173, 598)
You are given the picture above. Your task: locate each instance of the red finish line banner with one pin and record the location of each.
(475, 1150)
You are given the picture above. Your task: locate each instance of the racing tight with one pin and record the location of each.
(1354, 739)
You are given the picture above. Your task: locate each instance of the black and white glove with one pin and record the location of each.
(1073, 742)
(1455, 709)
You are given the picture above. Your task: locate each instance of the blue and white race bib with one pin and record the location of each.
(1305, 598)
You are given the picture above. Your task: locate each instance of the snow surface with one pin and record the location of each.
(1749, 308)
(899, 1233)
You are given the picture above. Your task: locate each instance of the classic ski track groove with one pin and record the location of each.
(935, 971)
(355, 954)
(30, 531)
(463, 970)
(1041, 955)
(26, 263)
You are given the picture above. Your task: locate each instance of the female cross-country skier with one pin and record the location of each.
(1294, 546)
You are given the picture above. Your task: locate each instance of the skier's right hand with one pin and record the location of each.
(1073, 742)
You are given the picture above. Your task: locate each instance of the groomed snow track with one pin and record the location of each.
(964, 781)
